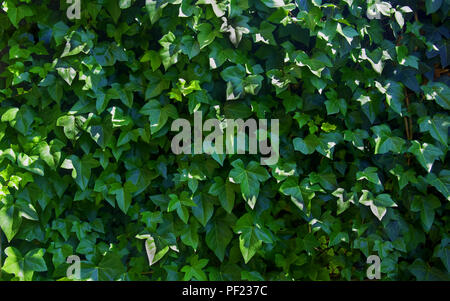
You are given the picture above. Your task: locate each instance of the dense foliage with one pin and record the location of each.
(362, 93)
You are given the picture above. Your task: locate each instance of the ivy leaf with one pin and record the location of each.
(234, 76)
(109, 268)
(308, 145)
(44, 152)
(218, 236)
(21, 119)
(433, 6)
(10, 221)
(436, 126)
(424, 272)
(150, 247)
(203, 210)
(438, 92)
(158, 115)
(237, 29)
(425, 153)
(347, 32)
(179, 203)
(24, 267)
(31, 164)
(385, 141)
(441, 183)
(123, 194)
(273, 3)
(154, 9)
(379, 205)
(394, 96)
(70, 129)
(68, 74)
(249, 178)
(384, 200)
(154, 58)
(426, 206)
(17, 13)
(370, 174)
(124, 4)
(404, 177)
(81, 168)
(225, 192)
(443, 252)
(206, 35)
(170, 50)
(251, 236)
(290, 187)
(189, 236)
(195, 269)
(189, 46)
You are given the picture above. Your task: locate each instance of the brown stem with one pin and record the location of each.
(410, 135)
(406, 127)
(410, 129)
(408, 124)
(399, 39)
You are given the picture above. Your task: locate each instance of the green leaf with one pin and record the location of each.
(347, 32)
(24, 267)
(438, 92)
(384, 200)
(291, 187)
(109, 268)
(249, 178)
(225, 192)
(158, 115)
(154, 9)
(273, 3)
(31, 164)
(436, 126)
(70, 129)
(81, 168)
(251, 236)
(370, 174)
(425, 153)
(154, 58)
(394, 96)
(441, 183)
(424, 272)
(234, 76)
(10, 221)
(124, 4)
(433, 6)
(206, 35)
(68, 74)
(308, 145)
(377, 205)
(195, 269)
(189, 236)
(123, 194)
(385, 141)
(218, 236)
(203, 210)
(21, 119)
(170, 50)
(189, 46)
(17, 13)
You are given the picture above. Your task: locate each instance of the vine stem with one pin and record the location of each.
(408, 123)
(406, 127)
(410, 136)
